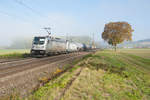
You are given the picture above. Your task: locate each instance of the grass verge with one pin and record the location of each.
(14, 53)
(55, 87)
(108, 75)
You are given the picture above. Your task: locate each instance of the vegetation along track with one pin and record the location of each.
(18, 66)
(62, 93)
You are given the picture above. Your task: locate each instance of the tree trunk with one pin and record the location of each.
(115, 47)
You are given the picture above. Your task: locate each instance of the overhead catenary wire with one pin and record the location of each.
(14, 16)
(20, 2)
(28, 7)
(11, 15)
(6, 14)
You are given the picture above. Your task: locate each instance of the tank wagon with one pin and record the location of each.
(47, 45)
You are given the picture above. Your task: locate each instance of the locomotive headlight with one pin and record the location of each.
(42, 46)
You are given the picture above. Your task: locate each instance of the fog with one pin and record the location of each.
(61, 25)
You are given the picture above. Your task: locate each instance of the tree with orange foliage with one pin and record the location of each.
(117, 32)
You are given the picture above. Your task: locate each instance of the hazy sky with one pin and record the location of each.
(26, 18)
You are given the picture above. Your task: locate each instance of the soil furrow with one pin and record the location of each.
(68, 85)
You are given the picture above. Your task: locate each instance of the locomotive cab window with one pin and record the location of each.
(39, 40)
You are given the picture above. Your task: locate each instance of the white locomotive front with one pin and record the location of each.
(39, 45)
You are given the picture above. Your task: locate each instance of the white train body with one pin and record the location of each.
(48, 45)
(71, 46)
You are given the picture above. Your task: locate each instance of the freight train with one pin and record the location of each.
(47, 45)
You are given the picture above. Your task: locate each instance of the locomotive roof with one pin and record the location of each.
(60, 39)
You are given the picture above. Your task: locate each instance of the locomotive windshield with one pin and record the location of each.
(39, 40)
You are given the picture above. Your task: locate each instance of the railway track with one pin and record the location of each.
(2, 61)
(9, 68)
(11, 64)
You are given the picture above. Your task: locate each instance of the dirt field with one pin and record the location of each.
(145, 53)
